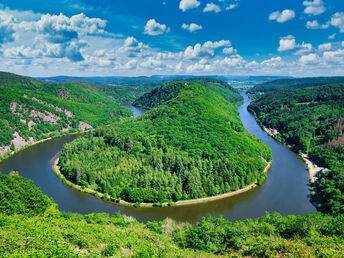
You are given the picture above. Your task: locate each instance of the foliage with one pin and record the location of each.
(191, 145)
(21, 196)
(299, 83)
(37, 231)
(22, 98)
(311, 121)
(272, 235)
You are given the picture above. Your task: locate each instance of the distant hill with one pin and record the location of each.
(299, 83)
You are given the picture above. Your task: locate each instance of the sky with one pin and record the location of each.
(171, 37)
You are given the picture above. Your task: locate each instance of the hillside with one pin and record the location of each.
(312, 121)
(31, 110)
(32, 226)
(298, 83)
(191, 145)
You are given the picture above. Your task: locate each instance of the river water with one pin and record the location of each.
(286, 190)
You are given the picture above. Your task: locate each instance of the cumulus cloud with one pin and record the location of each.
(60, 28)
(283, 16)
(154, 28)
(72, 50)
(315, 25)
(185, 5)
(325, 46)
(334, 57)
(7, 32)
(310, 59)
(211, 7)
(21, 52)
(337, 20)
(287, 43)
(191, 27)
(315, 7)
(273, 62)
(133, 48)
(205, 50)
(229, 50)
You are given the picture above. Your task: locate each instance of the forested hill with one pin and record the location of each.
(312, 121)
(31, 110)
(299, 83)
(191, 145)
(170, 90)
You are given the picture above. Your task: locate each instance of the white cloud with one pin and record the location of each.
(325, 47)
(337, 20)
(273, 62)
(315, 25)
(191, 27)
(232, 6)
(332, 36)
(7, 32)
(21, 52)
(211, 7)
(334, 57)
(133, 48)
(229, 50)
(315, 7)
(60, 28)
(283, 16)
(342, 43)
(287, 43)
(205, 50)
(310, 59)
(185, 5)
(304, 48)
(154, 28)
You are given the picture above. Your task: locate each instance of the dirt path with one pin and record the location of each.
(313, 169)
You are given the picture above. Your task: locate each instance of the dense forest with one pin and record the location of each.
(32, 226)
(298, 83)
(192, 144)
(312, 121)
(31, 110)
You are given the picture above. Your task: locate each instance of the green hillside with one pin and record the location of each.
(298, 83)
(312, 121)
(31, 110)
(191, 145)
(32, 226)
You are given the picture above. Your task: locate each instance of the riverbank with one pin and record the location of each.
(11, 153)
(107, 197)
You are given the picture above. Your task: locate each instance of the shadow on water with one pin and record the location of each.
(285, 190)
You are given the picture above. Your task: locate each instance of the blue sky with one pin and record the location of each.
(145, 37)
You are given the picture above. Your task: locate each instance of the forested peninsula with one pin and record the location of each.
(190, 144)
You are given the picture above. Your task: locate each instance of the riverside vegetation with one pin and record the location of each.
(190, 144)
(311, 120)
(32, 226)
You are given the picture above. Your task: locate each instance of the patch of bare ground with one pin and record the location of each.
(4, 150)
(19, 141)
(84, 126)
(31, 124)
(47, 116)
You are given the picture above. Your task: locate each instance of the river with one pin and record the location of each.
(286, 189)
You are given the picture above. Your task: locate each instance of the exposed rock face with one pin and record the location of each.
(47, 116)
(31, 124)
(19, 141)
(84, 126)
